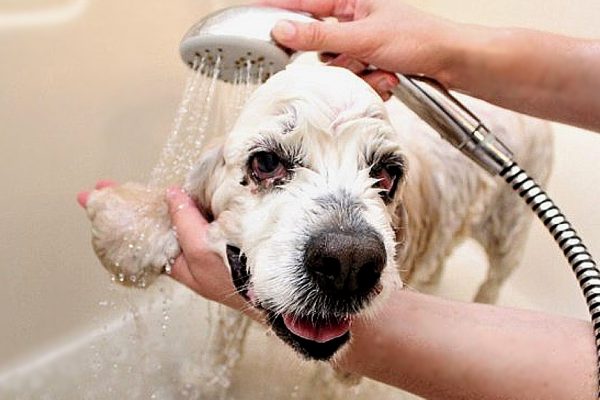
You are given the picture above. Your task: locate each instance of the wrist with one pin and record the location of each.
(375, 338)
(471, 51)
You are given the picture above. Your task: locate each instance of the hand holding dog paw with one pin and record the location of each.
(174, 234)
(131, 231)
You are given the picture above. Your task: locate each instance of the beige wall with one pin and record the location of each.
(92, 92)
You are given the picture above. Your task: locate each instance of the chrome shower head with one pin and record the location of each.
(239, 37)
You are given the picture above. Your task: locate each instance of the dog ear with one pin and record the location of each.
(421, 216)
(204, 178)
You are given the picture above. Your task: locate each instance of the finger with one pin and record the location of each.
(327, 56)
(213, 282)
(318, 8)
(188, 222)
(345, 37)
(348, 62)
(82, 198)
(104, 183)
(180, 271)
(382, 81)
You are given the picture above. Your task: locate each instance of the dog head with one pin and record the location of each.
(304, 190)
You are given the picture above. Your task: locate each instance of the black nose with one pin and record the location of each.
(345, 263)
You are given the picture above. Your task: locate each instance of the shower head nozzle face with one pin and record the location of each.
(239, 38)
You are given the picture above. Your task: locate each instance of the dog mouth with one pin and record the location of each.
(314, 338)
(239, 273)
(317, 331)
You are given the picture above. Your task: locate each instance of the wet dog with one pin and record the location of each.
(322, 205)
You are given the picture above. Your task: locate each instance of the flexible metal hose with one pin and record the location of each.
(219, 32)
(570, 243)
(461, 128)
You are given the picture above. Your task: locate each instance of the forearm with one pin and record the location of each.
(541, 74)
(446, 350)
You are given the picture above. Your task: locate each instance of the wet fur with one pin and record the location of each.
(443, 197)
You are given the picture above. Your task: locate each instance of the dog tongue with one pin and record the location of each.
(321, 333)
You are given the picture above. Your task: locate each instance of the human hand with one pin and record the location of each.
(388, 35)
(197, 267)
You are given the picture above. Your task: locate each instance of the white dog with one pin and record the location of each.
(321, 207)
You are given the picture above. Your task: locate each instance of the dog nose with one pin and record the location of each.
(345, 263)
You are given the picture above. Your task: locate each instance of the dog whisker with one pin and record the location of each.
(339, 150)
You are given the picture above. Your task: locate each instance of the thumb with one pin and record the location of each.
(320, 36)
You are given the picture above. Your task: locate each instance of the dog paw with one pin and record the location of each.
(131, 232)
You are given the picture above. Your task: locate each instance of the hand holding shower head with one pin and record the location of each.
(240, 37)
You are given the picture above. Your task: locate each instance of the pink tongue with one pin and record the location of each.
(320, 334)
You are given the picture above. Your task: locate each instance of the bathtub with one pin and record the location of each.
(89, 90)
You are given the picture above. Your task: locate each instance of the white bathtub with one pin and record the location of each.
(90, 92)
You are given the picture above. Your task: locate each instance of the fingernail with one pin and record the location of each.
(284, 30)
(82, 198)
(385, 84)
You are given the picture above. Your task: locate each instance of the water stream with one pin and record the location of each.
(165, 341)
(208, 109)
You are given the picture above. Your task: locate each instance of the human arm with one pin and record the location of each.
(445, 350)
(546, 75)
(436, 348)
(429, 346)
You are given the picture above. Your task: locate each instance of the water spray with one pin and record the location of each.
(239, 39)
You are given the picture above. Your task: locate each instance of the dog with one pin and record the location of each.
(324, 203)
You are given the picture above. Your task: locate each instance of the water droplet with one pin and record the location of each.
(206, 107)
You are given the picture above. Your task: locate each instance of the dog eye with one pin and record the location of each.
(386, 180)
(387, 177)
(266, 165)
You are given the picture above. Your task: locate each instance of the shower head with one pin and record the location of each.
(238, 38)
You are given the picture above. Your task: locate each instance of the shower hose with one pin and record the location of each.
(431, 101)
(567, 239)
(462, 129)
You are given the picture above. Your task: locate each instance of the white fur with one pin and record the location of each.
(333, 118)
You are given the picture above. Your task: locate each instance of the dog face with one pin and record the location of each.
(304, 191)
